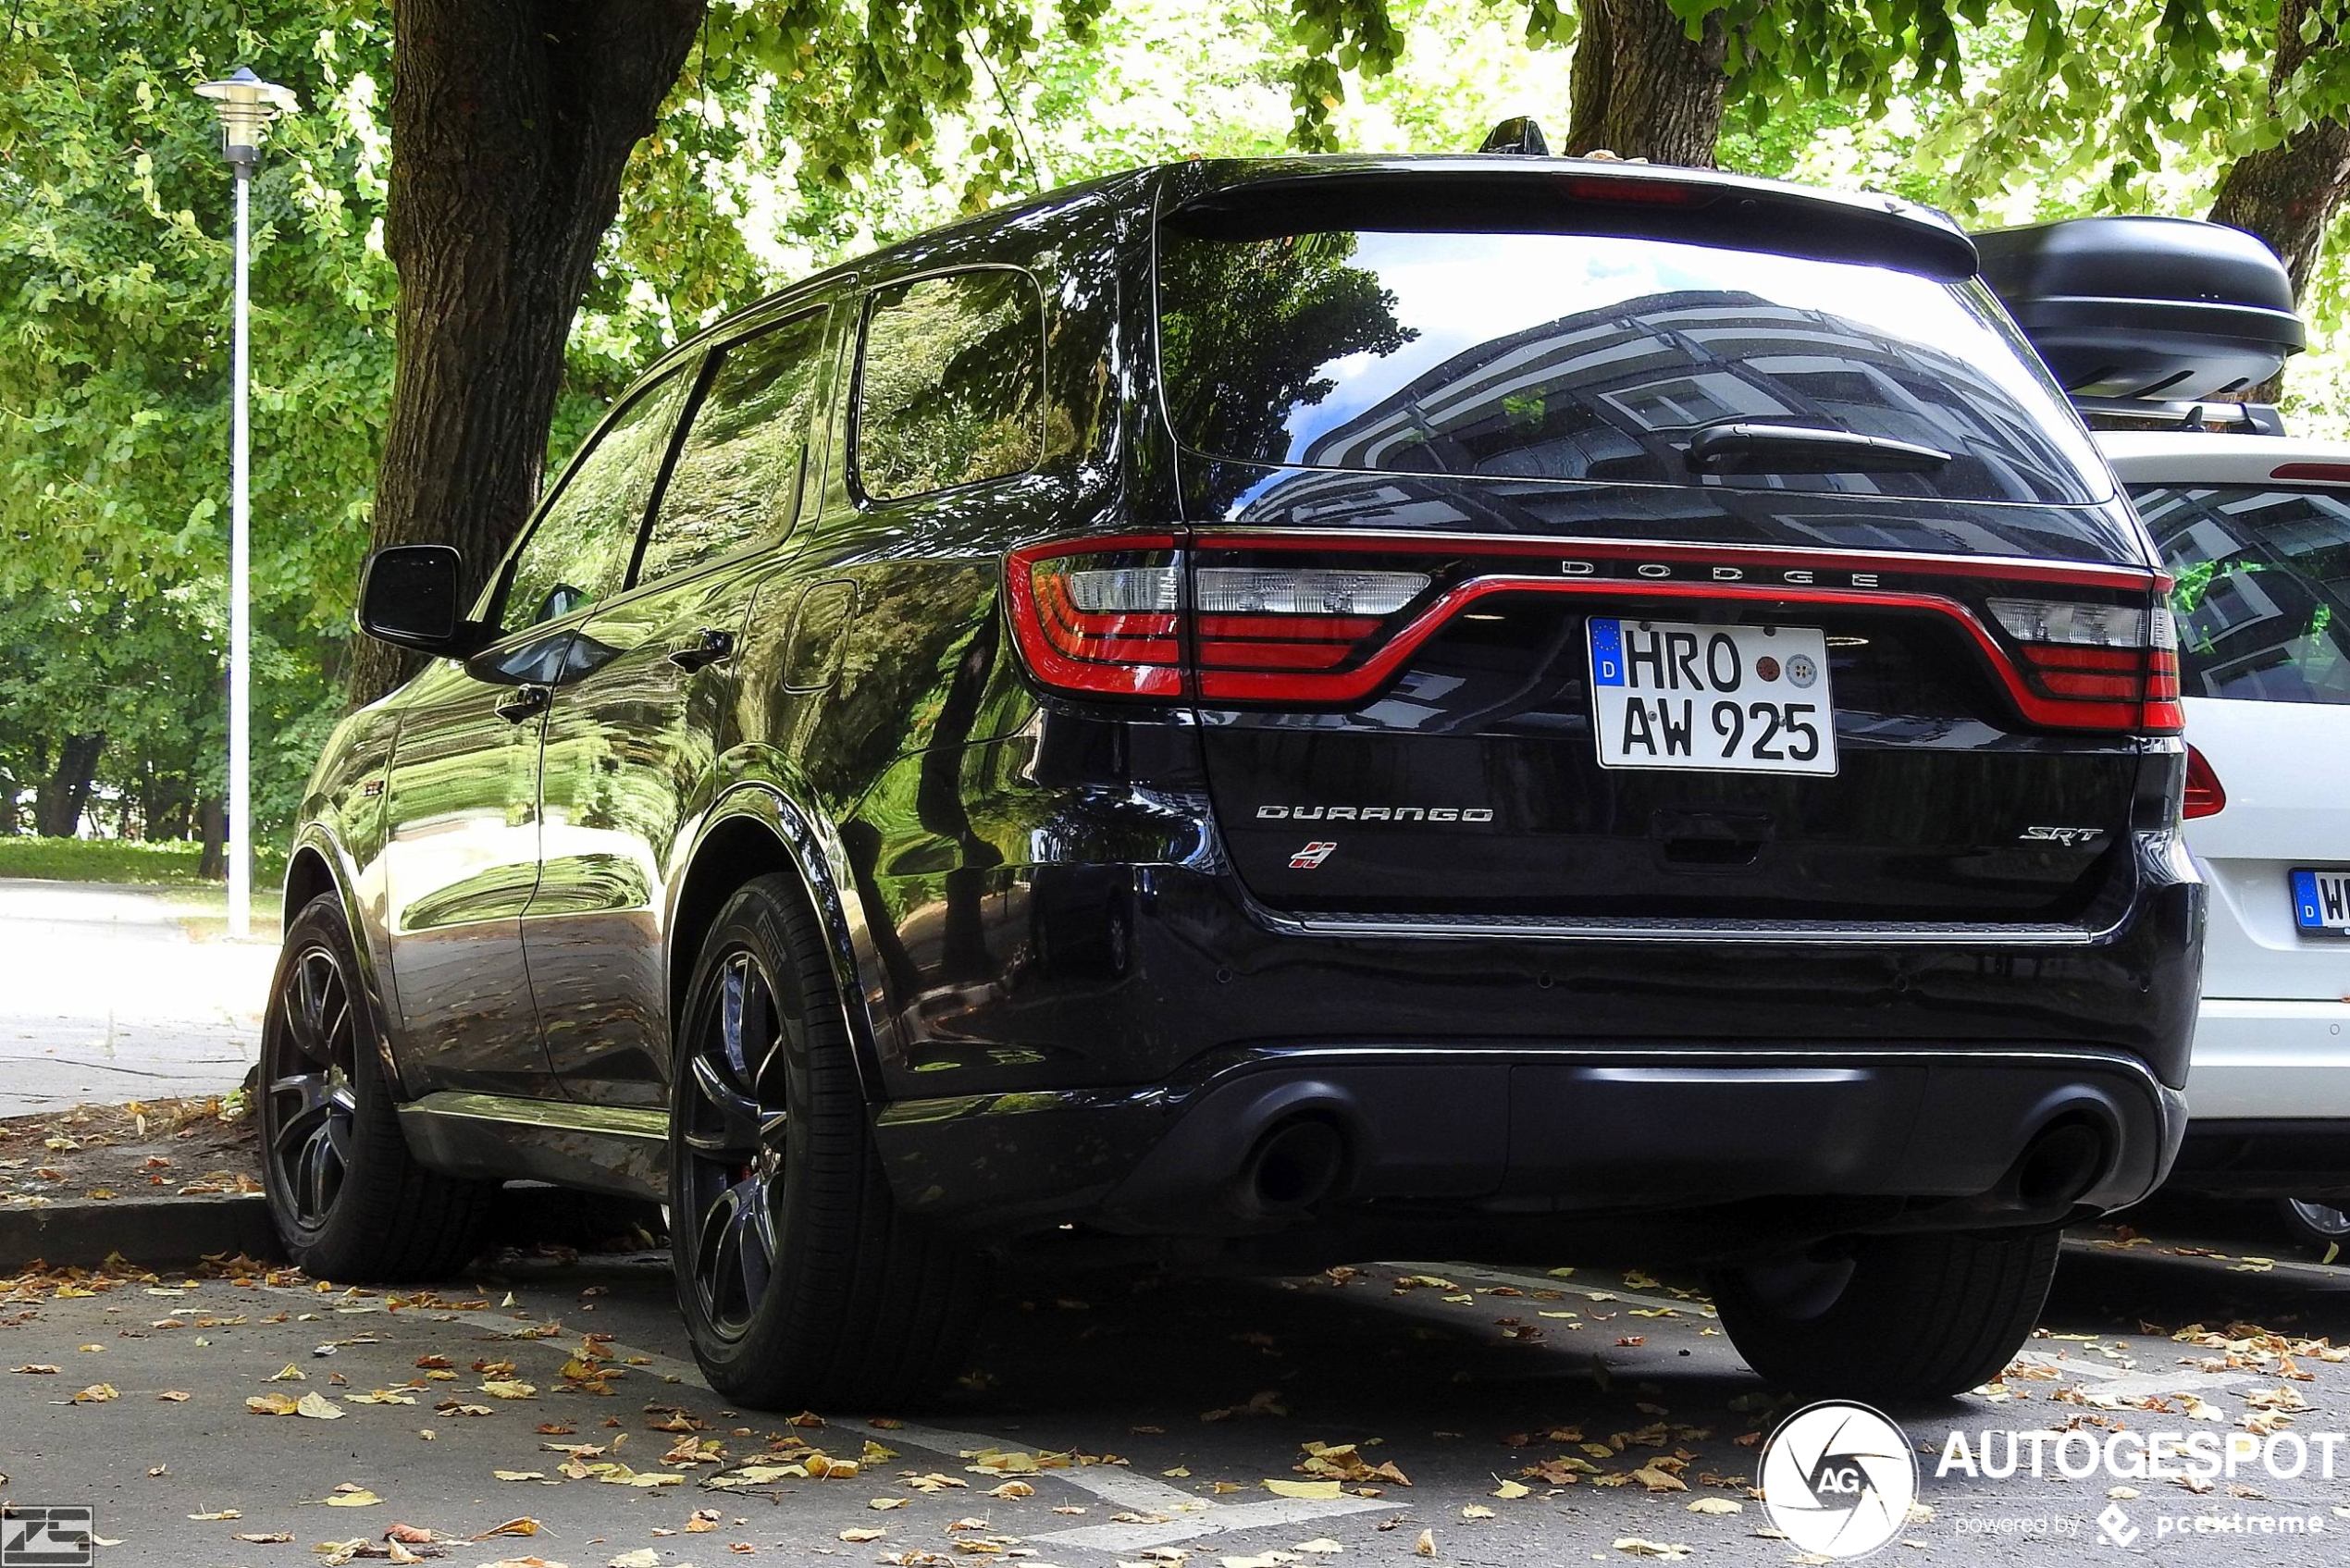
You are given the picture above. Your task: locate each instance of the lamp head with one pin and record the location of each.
(247, 105)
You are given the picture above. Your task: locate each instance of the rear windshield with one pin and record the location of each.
(2263, 595)
(1592, 356)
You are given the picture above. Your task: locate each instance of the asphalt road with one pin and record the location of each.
(105, 996)
(1184, 1395)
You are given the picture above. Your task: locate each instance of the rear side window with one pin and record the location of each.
(1594, 356)
(579, 549)
(950, 387)
(2263, 594)
(738, 476)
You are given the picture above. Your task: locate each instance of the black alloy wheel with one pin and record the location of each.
(802, 1283)
(307, 1053)
(350, 1199)
(735, 1123)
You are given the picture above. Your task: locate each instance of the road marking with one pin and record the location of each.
(1188, 1516)
(1213, 1519)
(1516, 1280)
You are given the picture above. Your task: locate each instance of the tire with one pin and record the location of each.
(2321, 1227)
(1903, 1318)
(348, 1200)
(802, 1283)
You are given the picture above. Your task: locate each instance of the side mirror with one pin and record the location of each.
(409, 598)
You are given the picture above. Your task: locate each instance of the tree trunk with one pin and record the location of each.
(66, 794)
(2289, 194)
(212, 816)
(10, 822)
(512, 121)
(1644, 88)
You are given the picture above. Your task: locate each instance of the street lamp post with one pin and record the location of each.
(247, 105)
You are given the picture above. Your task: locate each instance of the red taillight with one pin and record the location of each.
(1280, 617)
(1275, 632)
(1100, 616)
(2203, 795)
(2107, 666)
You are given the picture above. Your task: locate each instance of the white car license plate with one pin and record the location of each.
(2321, 902)
(1733, 699)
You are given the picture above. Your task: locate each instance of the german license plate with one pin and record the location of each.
(1731, 699)
(2321, 902)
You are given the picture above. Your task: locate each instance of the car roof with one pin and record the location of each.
(2189, 457)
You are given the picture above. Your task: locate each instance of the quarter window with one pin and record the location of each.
(951, 387)
(737, 477)
(579, 549)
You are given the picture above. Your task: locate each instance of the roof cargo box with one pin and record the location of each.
(2146, 308)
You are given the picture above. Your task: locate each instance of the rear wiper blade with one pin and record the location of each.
(1743, 448)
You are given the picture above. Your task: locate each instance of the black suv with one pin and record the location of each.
(1272, 712)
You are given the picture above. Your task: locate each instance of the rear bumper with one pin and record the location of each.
(2271, 1059)
(2271, 1101)
(1821, 1141)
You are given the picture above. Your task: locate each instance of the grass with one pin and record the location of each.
(101, 859)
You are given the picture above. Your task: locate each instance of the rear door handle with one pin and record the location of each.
(528, 702)
(714, 647)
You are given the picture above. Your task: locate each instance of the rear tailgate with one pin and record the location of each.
(1473, 639)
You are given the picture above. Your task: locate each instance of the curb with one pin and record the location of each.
(146, 1231)
(84, 1233)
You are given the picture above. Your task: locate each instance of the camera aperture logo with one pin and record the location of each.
(1838, 1478)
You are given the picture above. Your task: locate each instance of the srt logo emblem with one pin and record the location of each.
(2066, 836)
(1312, 855)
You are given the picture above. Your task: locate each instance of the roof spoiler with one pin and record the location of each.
(1523, 193)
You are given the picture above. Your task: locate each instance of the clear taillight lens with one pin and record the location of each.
(1248, 590)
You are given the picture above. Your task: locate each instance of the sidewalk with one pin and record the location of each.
(105, 996)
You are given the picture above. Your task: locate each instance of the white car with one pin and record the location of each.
(2255, 529)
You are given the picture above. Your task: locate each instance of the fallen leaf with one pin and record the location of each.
(1301, 1488)
(269, 1404)
(97, 1393)
(1477, 1511)
(1425, 1545)
(1012, 1490)
(1716, 1505)
(859, 1536)
(643, 1557)
(222, 1513)
(358, 1497)
(1638, 1548)
(1322, 1546)
(508, 1388)
(519, 1475)
(1511, 1489)
(174, 1395)
(290, 1373)
(319, 1407)
(525, 1526)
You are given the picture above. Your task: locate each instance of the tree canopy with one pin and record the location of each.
(793, 133)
